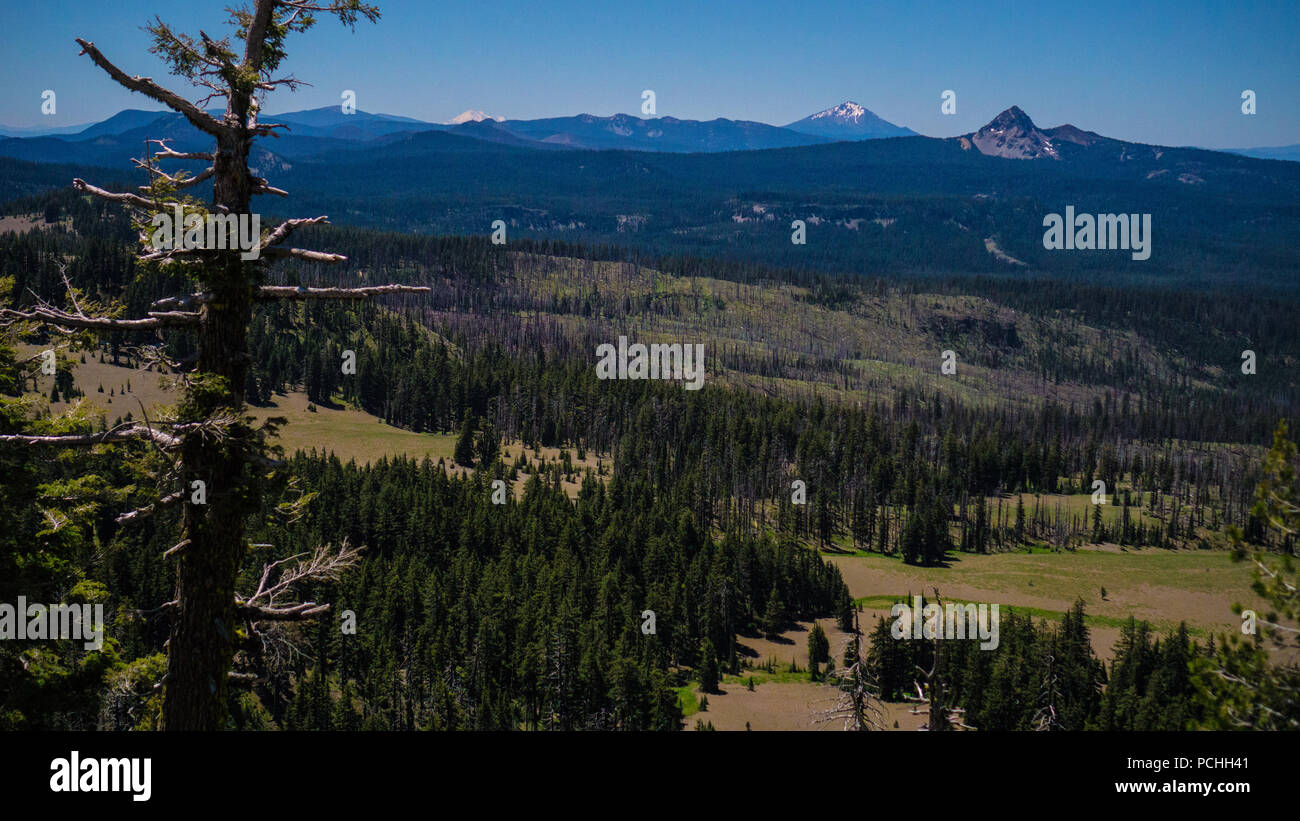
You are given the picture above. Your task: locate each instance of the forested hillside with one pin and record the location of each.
(470, 614)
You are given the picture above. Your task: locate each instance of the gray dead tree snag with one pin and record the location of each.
(930, 690)
(858, 704)
(211, 439)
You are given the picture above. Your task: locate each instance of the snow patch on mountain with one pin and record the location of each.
(473, 115)
(847, 111)
(1014, 136)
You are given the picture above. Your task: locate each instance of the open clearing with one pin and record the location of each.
(348, 433)
(1163, 587)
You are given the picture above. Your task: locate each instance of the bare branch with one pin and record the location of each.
(298, 292)
(176, 182)
(142, 433)
(271, 292)
(146, 86)
(165, 152)
(159, 609)
(134, 200)
(265, 187)
(176, 548)
(325, 563)
(150, 509)
(65, 321)
(297, 612)
(299, 253)
(265, 129)
(282, 231)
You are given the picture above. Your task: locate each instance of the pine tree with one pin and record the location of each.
(819, 649)
(709, 673)
(774, 614)
(464, 453)
(489, 444)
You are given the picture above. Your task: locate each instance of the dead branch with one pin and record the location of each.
(176, 548)
(64, 321)
(144, 614)
(276, 252)
(297, 612)
(298, 292)
(282, 231)
(166, 152)
(176, 182)
(146, 86)
(150, 509)
(264, 187)
(141, 433)
(270, 292)
(133, 200)
(324, 564)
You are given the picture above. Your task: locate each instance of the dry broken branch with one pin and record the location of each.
(146, 86)
(282, 231)
(176, 182)
(65, 321)
(276, 252)
(165, 152)
(140, 433)
(298, 292)
(134, 200)
(324, 564)
(269, 292)
(150, 509)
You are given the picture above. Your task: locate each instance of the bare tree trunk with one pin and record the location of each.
(202, 635)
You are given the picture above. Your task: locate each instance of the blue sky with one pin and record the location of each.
(1161, 72)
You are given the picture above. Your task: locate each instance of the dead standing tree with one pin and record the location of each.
(930, 691)
(211, 438)
(858, 705)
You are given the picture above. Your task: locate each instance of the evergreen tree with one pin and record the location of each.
(774, 614)
(819, 649)
(708, 669)
(464, 453)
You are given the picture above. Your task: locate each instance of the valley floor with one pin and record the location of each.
(1161, 586)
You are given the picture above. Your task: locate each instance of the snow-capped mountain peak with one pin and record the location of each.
(848, 121)
(473, 116)
(847, 111)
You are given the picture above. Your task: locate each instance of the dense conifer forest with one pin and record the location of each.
(529, 615)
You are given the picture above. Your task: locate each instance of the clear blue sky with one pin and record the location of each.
(1161, 72)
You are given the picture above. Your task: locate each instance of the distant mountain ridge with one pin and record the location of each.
(850, 121)
(1276, 152)
(625, 131)
(1012, 134)
(975, 202)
